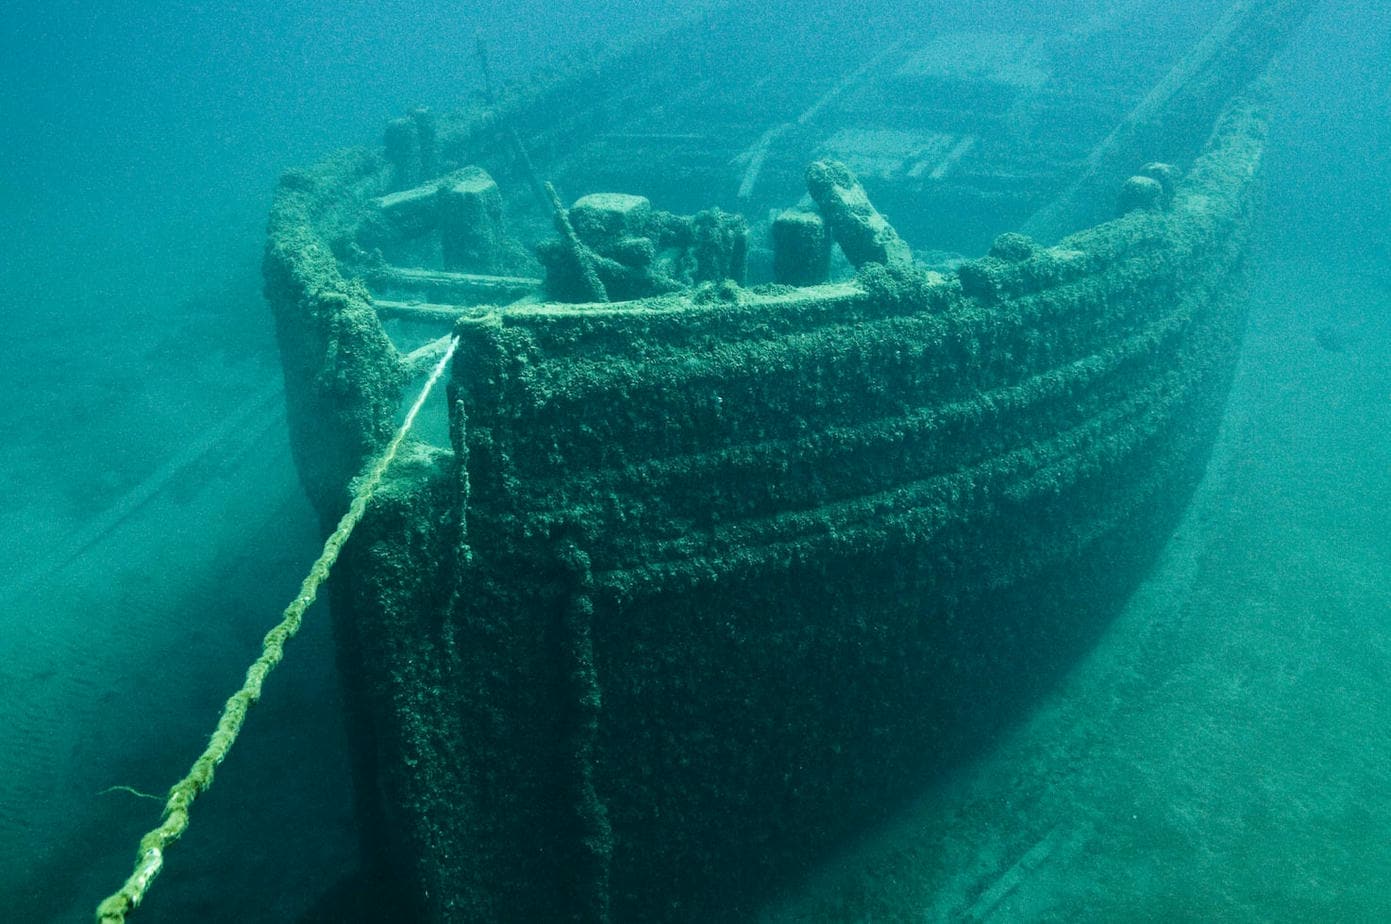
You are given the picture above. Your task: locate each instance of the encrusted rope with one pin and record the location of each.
(150, 859)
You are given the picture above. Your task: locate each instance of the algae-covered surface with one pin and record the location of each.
(1217, 755)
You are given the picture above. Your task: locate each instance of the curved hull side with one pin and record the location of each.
(734, 577)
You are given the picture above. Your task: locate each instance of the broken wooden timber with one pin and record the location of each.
(863, 234)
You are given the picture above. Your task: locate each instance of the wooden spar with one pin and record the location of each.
(583, 268)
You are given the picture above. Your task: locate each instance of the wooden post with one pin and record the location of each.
(801, 249)
(471, 229)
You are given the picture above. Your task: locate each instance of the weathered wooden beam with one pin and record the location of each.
(404, 215)
(418, 311)
(585, 280)
(864, 235)
(453, 287)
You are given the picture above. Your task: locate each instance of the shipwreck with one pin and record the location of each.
(805, 441)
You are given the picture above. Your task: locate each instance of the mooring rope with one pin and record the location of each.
(150, 859)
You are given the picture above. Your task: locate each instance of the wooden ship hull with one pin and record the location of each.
(679, 590)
